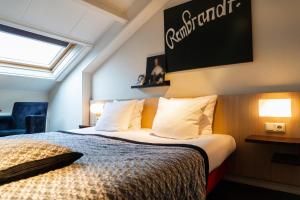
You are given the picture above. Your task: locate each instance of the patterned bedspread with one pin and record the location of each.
(113, 168)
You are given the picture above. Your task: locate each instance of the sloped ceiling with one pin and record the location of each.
(82, 21)
(75, 19)
(120, 5)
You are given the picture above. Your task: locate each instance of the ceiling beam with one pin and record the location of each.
(150, 10)
(106, 10)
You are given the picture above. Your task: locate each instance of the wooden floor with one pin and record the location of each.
(234, 191)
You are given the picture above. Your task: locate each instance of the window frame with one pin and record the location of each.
(49, 68)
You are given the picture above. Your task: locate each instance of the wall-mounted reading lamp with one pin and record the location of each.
(97, 109)
(275, 108)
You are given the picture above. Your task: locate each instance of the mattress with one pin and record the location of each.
(217, 146)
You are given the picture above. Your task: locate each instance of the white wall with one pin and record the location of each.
(69, 99)
(65, 108)
(9, 97)
(276, 65)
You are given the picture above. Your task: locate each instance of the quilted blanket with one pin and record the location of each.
(114, 168)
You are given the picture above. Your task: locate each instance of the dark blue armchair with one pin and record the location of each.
(27, 117)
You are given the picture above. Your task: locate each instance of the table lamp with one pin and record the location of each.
(97, 109)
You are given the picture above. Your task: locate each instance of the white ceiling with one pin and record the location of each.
(73, 19)
(120, 5)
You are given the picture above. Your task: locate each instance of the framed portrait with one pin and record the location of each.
(141, 80)
(156, 70)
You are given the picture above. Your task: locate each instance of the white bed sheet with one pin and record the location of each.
(217, 146)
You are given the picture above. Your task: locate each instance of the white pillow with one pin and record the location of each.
(178, 119)
(206, 121)
(136, 116)
(205, 124)
(116, 116)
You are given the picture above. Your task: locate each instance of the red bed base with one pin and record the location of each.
(216, 175)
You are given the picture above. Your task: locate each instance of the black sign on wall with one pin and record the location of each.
(204, 33)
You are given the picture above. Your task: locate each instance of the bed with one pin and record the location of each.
(135, 164)
(218, 148)
(125, 165)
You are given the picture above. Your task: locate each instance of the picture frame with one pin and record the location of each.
(141, 80)
(192, 44)
(155, 70)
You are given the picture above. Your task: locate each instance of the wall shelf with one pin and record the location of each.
(272, 139)
(165, 83)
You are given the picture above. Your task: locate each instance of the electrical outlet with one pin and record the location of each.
(275, 127)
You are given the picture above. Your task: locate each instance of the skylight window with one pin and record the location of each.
(26, 49)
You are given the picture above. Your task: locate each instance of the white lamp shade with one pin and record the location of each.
(275, 108)
(96, 108)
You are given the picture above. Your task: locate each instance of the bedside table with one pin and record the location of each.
(283, 158)
(84, 126)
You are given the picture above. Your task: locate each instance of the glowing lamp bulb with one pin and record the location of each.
(96, 108)
(275, 108)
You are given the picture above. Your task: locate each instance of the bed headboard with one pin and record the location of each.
(236, 114)
(150, 107)
(149, 111)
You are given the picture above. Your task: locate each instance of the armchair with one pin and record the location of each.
(27, 117)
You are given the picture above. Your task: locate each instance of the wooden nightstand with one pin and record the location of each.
(84, 126)
(284, 158)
